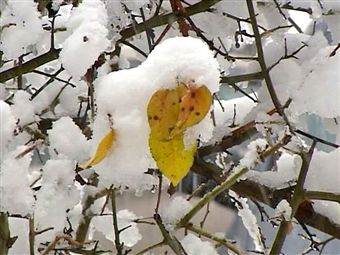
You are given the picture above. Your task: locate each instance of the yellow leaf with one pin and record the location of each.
(103, 147)
(170, 112)
(173, 160)
(194, 105)
(163, 110)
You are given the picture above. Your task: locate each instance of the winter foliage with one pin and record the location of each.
(100, 98)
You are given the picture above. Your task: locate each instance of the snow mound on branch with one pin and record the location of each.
(7, 128)
(16, 195)
(20, 26)
(68, 140)
(124, 96)
(195, 246)
(129, 236)
(88, 39)
(174, 211)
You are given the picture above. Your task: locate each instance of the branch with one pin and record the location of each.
(172, 241)
(119, 245)
(262, 63)
(242, 77)
(222, 241)
(167, 18)
(322, 195)
(296, 199)
(212, 194)
(29, 66)
(268, 195)
(4, 233)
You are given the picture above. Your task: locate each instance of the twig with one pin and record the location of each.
(149, 248)
(57, 239)
(211, 195)
(322, 195)
(242, 77)
(264, 69)
(320, 140)
(31, 235)
(119, 245)
(159, 191)
(229, 244)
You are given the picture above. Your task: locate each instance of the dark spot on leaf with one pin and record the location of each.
(180, 100)
(197, 113)
(191, 108)
(182, 109)
(155, 117)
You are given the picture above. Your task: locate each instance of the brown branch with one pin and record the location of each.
(167, 18)
(29, 66)
(263, 65)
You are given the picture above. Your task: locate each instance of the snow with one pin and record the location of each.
(7, 128)
(327, 166)
(67, 139)
(16, 194)
(51, 206)
(88, 39)
(193, 245)
(252, 155)
(21, 27)
(23, 108)
(283, 210)
(329, 209)
(20, 228)
(172, 211)
(130, 236)
(320, 84)
(249, 220)
(125, 95)
(288, 168)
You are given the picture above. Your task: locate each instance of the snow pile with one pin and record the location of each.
(51, 206)
(20, 27)
(249, 221)
(252, 155)
(7, 128)
(129, 236)
(16, 196)
(288, 168)
(88, 39)
(172, 212)
(283, 210)
(124, 96)
(193, 245)
(67, 139)
(23, 108)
